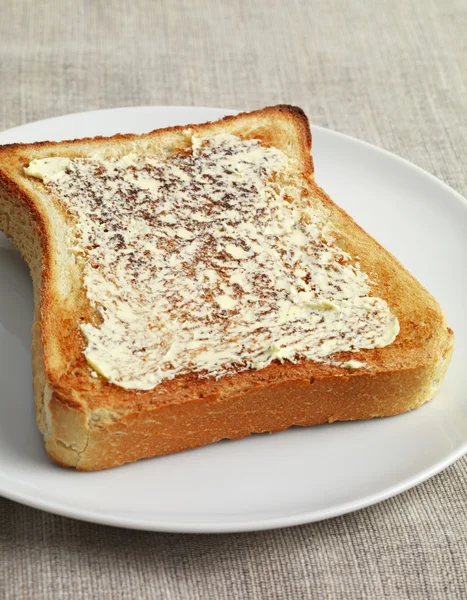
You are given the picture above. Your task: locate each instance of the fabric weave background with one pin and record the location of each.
(392, 73)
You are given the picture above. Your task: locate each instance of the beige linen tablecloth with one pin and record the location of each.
(392, 73)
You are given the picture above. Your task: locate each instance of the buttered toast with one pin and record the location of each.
(194, 284)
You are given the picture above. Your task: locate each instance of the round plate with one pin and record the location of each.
(265, 481)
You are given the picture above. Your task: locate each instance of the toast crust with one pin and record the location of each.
(91, 424)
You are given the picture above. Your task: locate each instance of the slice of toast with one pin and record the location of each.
(98, 410)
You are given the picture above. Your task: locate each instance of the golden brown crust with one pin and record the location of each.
(264, 408)
(91, 424)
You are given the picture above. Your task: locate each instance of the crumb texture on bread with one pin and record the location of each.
(91, 424)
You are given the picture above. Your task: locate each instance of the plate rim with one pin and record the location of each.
(299, 518)
(185, 527)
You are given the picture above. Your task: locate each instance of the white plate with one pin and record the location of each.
(266, 481)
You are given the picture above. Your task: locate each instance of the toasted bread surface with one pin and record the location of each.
(91, 424)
